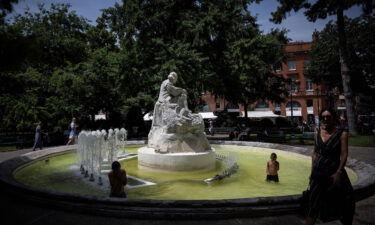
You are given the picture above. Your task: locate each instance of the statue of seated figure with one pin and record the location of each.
(174, 127)
(170, 94)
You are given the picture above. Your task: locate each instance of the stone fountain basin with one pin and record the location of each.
(187, 161)
(171, 209)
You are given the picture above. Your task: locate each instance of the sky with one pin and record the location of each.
(299, 28)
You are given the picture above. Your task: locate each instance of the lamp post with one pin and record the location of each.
(291, 99)
(318, 95)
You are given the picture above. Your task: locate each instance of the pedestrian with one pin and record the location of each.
(118, 180)
(331, 193)
(273, 167)
(237, 131)
(72, 131)
(211, 128)
(38, 136)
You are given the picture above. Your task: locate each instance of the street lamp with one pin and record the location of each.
(290, 81)
(317, 95)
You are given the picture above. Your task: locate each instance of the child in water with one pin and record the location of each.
(272, 168)
(118, 180)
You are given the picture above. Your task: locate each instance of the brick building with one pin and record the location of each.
(306, 98)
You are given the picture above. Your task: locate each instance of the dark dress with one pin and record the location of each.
(328, 201)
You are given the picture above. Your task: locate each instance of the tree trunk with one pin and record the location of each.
(350, 112)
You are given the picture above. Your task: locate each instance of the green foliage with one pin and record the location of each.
(325, 64)
(320, 9)
(362, 141)
(206, 43)
(58, 66)
(252, 60)
(36, 47)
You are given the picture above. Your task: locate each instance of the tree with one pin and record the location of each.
(201, 41)
(325, 64)
(6, 6)
(321, 9)
(36, 47)
(252, 60)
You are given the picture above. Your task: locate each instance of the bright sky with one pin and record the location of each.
(299, 28)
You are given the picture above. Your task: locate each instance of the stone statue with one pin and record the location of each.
(174, 128)
(171, 94)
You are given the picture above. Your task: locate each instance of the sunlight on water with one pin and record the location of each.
(58, 174)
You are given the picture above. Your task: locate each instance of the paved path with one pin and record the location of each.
(18, 212)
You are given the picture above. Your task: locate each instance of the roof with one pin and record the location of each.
(205, 115)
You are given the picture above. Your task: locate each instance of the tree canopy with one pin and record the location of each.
(325, 64)
(58, 65)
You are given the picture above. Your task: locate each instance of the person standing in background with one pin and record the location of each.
(73, 131)
(38, 136)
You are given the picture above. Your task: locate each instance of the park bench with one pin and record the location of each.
(11, 141)
(19, 141)
(275, 137)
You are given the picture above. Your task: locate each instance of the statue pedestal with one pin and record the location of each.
(187, 161)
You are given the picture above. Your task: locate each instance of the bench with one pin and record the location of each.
(18, 141)
(275, 137)
(11, 141)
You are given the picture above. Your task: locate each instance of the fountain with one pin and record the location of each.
(176, 141)
(98, 149)
(195, 171)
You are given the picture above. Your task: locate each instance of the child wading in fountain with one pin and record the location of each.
(272, 168)
(117, 178)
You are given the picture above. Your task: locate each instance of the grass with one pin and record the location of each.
(362, 141)
(7, 148)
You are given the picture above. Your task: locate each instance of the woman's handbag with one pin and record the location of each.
(304, 201)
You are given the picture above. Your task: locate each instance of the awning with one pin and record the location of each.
(147, 117)
(260, 114)
(100, 117)
(205, 115)
(295, 113)
(208, 115)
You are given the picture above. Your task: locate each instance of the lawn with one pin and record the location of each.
(6, 148)
(362, 141)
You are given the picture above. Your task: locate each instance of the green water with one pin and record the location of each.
(249, 181)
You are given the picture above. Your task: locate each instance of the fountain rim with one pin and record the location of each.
(175, 209)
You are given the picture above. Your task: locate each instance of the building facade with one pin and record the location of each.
(305, 98)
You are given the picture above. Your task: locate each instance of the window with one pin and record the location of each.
(277, 106)
(206, 108)
(218, 105)
(309, 102)
(261, 105)
(232, 107)
(293, 85)
(292, 65)
(306, 63)
(278, 67)
(294, 104)
(309, 85)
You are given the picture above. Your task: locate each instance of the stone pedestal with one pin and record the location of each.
(186, 161)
